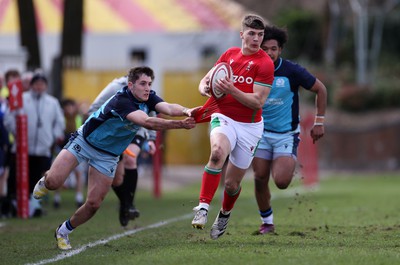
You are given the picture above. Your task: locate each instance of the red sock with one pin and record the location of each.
(229, 200)
(209, 185)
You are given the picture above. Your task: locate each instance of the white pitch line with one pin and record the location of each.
(286, 193)
(74, 252)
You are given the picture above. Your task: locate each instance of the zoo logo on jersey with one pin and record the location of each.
(241, 79)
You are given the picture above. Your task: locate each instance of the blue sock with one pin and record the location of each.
(265, 213)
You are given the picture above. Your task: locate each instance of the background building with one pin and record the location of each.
(180, 40)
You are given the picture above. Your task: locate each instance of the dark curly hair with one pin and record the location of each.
(275, 33)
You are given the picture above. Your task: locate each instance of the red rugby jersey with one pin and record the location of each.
(247, 69)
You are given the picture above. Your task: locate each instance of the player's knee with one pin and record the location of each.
(119, 175)
(51, 183)
(117, 182)
(261, 178)
(130, 162)
(92, 205)
(118, 179)
(231, 187)
(216, 155)
(282, 183)
(260, 184)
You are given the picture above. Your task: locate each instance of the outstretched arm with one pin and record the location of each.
(173, 109)
(154, 123)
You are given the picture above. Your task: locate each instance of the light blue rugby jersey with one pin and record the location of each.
(108, 130)
(281, 109)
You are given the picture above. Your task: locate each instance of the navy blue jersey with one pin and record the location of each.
(281, 109)
(108, 130)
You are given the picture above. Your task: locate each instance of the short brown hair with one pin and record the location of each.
(135, 73)
(253, 21)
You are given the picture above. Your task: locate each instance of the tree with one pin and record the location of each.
(363, 14)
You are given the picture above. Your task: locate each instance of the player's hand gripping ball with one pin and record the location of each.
(219, 71)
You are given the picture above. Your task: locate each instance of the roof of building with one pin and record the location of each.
(124, 16)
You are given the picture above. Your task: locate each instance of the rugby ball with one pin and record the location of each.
(219, 71)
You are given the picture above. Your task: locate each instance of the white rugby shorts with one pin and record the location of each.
(243, 137)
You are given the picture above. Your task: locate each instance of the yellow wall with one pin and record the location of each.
(180, 146)
(183, 146)
(84, 86)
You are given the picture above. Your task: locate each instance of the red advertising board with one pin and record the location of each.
(15, 94)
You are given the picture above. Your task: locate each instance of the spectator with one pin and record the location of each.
(45, 128)
(26, 79)
(9, 76)
(8, 207)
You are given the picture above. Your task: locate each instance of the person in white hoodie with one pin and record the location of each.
(46, 127)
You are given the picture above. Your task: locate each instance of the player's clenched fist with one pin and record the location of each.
(188, 123)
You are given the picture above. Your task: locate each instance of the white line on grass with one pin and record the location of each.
(74, 252)
(286, 193)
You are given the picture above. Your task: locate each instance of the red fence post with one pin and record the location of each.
(22, 178)
(22, 167)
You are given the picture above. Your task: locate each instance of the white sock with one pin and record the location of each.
(268, 220)
(64, 230)
(204, 205)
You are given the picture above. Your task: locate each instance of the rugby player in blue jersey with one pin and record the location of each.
(102, 139)
(126, 173)
(277, 152)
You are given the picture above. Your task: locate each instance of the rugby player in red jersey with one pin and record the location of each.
(236, 121)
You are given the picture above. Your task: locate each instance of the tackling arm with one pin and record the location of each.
(154, 123)
(173, 109)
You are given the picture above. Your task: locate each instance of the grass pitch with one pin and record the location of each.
(345, 220)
